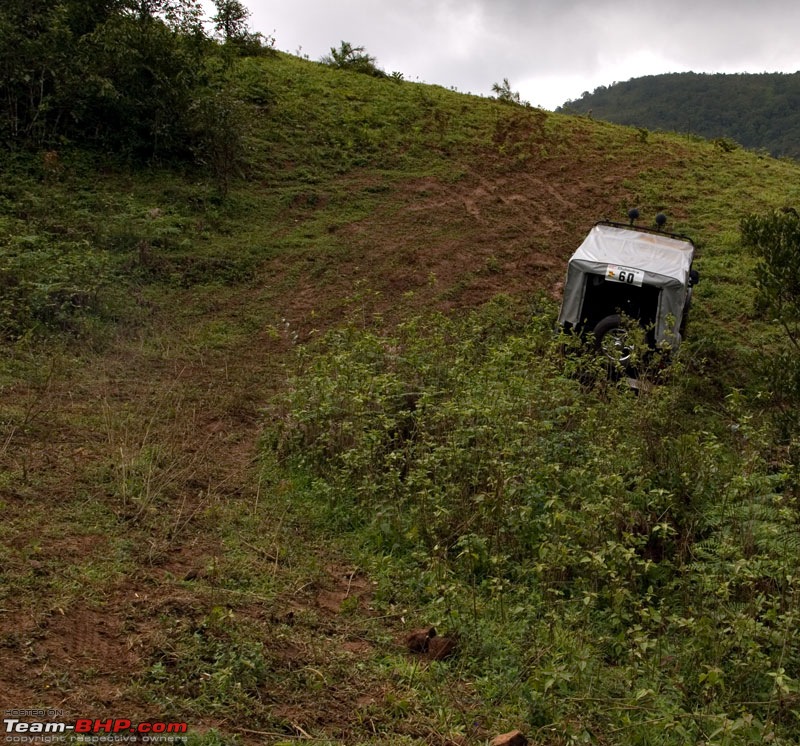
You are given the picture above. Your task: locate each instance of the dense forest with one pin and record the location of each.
(758, 111)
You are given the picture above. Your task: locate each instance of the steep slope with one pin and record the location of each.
(149, 571)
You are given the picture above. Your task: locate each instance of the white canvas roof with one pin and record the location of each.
(657, 253)
(663, 260)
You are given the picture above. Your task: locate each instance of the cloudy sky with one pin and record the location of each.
(550, 50)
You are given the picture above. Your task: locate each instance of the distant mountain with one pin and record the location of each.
(759, 111)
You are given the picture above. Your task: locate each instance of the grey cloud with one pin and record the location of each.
(469, 44)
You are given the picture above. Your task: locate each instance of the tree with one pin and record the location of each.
(36, 53)
(230, 22)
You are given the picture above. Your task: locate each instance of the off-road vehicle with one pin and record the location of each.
(626, 272)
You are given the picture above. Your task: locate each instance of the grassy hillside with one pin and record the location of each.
(253, 433)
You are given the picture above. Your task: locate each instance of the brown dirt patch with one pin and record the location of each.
(345, 590)
(500, 228)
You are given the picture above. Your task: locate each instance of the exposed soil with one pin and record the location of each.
(86, 428)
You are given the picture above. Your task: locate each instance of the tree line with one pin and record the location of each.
(759, 111)
(126, 76)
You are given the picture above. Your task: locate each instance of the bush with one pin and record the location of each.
(219, 127)
(49, 284)
(348, 57)
(504, 93)
(774, 238)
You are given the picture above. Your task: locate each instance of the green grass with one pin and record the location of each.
(259, 453)
(626, 562)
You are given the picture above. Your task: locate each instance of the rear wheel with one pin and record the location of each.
(613, 340)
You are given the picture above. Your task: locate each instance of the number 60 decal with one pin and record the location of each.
(625, 275)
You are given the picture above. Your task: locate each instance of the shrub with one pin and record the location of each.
(774, 238)
(348, 57)
(219, 127)
(504, 93)
(46, 283)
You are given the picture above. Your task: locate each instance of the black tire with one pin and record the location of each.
(611, 340)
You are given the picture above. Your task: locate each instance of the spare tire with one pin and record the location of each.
(612, 339)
